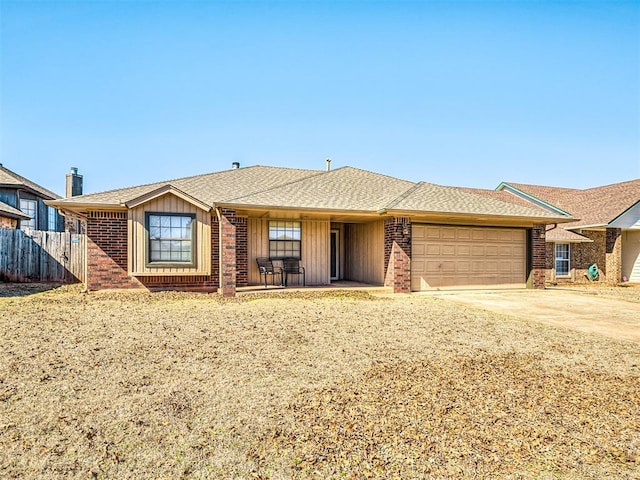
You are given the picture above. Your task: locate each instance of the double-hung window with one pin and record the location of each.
(29, 207)
(52, 220)
(562, 259)
(284, 239)
(171, 238)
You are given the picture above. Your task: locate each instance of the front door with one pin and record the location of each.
(335, 254)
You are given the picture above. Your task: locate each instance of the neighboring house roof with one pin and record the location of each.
(595, 207)
(344, 189)
(10, 212)
(562, 235)
(12, 179)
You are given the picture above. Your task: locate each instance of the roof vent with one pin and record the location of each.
(328, 164)
(235, 165)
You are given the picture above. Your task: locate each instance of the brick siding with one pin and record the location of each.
(107, 251)
(613, 255)
(581, 257)
(6, 222)
(538, 256)
(397, 254)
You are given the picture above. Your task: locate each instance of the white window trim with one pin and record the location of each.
(556, 259)
(34, 218)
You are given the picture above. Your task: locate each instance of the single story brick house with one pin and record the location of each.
(607, 233)
(206, 231)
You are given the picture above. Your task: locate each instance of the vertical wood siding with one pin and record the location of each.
(364, 252)
(315, 249)
(138, 244)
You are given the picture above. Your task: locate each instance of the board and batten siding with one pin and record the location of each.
(138, 240)
(315, 249)
(364, 251)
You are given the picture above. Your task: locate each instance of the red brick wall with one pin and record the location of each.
(6, 222)
(397, 254)
(107, 258)
(613, 255)
(538, 257)
(107, 251)
(582, 256)
(227, 233)
(240, 225)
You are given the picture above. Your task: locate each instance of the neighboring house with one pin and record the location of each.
(206, 231)
(19, 193)
(606, 231)
(9, 216)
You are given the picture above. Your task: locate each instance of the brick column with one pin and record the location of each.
(226, 217)
(538, 257)
(107, 251)
(613, 256)
(397, 254)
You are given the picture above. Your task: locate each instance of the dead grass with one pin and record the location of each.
(306, 385)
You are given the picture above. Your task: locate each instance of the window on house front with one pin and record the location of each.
(284, 239)
(52, 221)
(171, 237)
(29, 207)
(562, 259)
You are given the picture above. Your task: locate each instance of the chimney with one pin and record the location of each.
(328, 164)
(235, 165)
(74, 183)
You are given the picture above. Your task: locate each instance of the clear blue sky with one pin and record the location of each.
(455, 93)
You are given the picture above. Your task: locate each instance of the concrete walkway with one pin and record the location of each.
(564, 308)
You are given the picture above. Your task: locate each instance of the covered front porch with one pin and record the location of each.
(335, 250)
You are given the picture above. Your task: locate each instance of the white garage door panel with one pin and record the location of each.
(446, 256)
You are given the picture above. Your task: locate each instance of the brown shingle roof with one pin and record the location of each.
(593, 206)
(8, 211)
(428, 197)
(12, 179)
(344, 188)
(208, 188)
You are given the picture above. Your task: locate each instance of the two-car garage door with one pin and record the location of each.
(451, 256)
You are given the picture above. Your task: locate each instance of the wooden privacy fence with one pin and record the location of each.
(27, 256)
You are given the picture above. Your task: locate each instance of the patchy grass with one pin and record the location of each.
(330, 384)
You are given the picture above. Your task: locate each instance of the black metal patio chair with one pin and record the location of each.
(291, 266)
(266, 267)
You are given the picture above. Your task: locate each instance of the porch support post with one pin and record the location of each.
(227, 255)
(538, 257)
(613, 256)
(397, 254)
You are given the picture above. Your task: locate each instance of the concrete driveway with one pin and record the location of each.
(577, 310)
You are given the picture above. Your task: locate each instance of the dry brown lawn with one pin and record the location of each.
(330, 384)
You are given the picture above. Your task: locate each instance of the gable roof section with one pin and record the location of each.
(10, 212)
(12, 179)
(431, 198)
(209, 188)
(343, 189)
(166, 190)
(595, 207)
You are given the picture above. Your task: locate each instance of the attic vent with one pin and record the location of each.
(235, 165)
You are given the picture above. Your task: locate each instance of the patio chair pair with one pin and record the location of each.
(282, 268)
